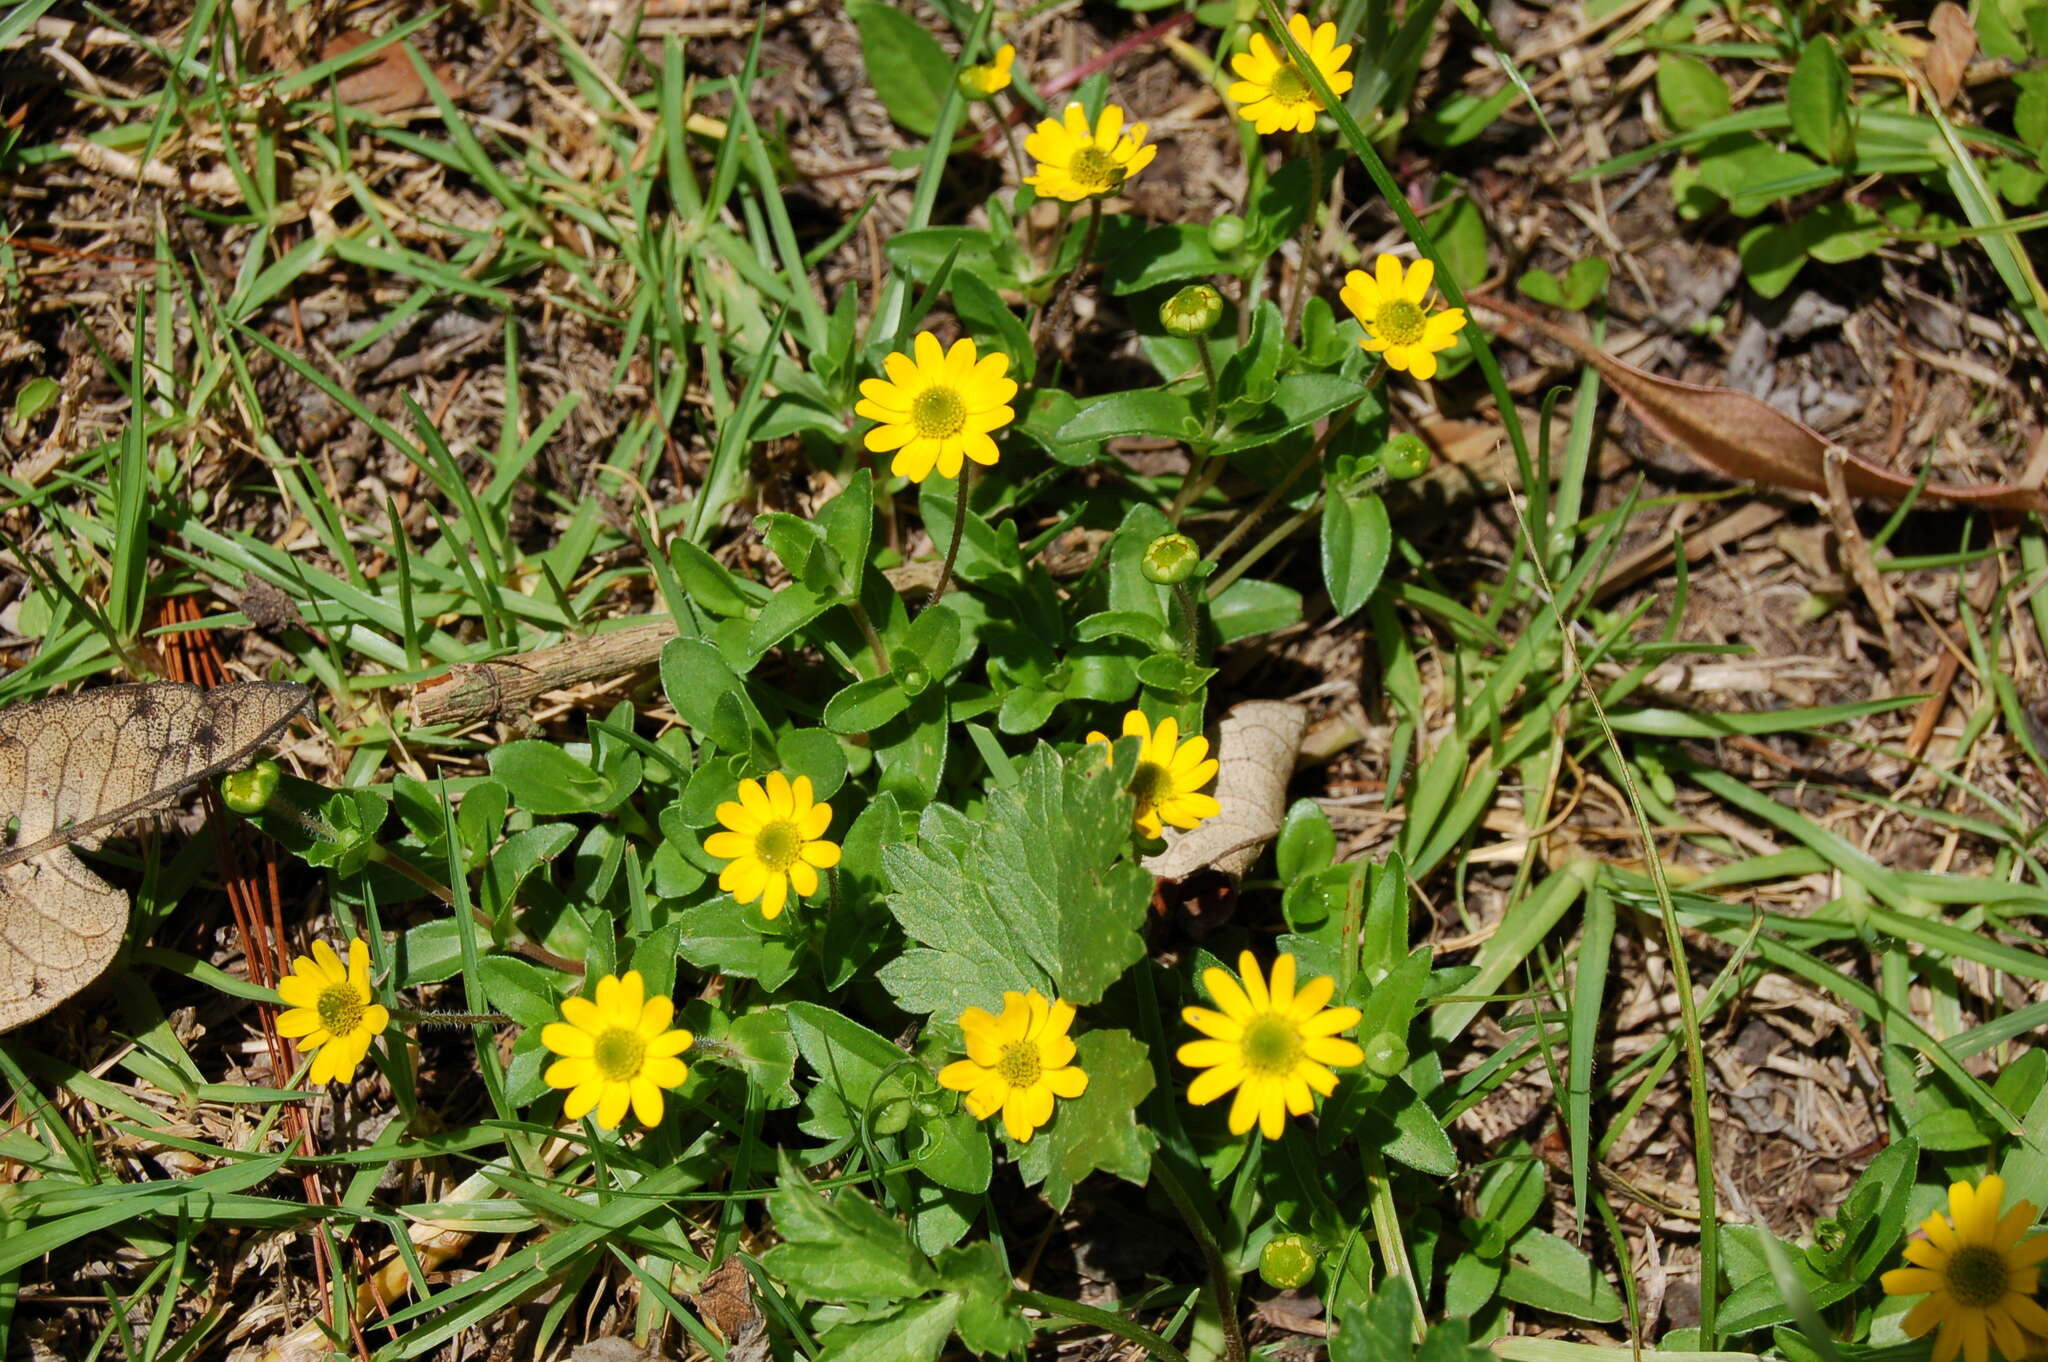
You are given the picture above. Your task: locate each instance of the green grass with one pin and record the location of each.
(496, 873)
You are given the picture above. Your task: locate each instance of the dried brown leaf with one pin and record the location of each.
(1747, 439)
(72, 767)
(1255, 747)
(386, 85)
(1948, 56)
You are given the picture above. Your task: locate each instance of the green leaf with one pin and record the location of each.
(861, 1075)
(1419, 1140)
(953, 1151)
(1163, 255)
(1142, 411)
(915, 1333)
(1298, 400)
(865, 705)
(1100, 1130)
(693, 678)
(976, 1276)
(1817, 97)
(1690, 91)
(759, 1046)
(837, 1247)
(848, 522)
(1357, 541)
(1306, 844)
(906, 66)
(1461, 240)
(1248, 606)
(1546, 1272)
(1543, 286)
(726, 938)
(546, 780)
(522, 991)
(1039, 893)
(789, 610)
(1773, 253)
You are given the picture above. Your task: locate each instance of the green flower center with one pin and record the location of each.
(778, 844)
(1977, 1276)
(1271, 1045)
(619, 1054)
(1019, 1064)
(1289, 87)
(1399, 322)
(341, 1011)
(1095, 170)
(1152, 784)
(938, 413)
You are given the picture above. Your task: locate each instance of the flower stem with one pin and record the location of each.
(959, 525)
(1222, 580)
(1305, 275)
(1192, 487)
(1215, 394)
(1055, 312)
(1221, 1288)
(1189, 622)
(867, 628)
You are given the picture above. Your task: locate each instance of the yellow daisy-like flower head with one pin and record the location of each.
(1170, 775)
(1077, 163)
(1979, 1272)
(1394, 310)
(1269, 1042)
(939, 407)
(773, 842)
(331, 1011)
(617, 1052)
(986, 79)
(1271, 93)
(1017, 1063)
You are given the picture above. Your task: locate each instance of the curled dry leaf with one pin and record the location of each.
(386, 84)
(1745, 438)
(72, 767)
(1256, 744)
(1948, 56)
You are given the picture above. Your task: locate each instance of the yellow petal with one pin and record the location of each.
(1213, 1083)
(1228, 993)
(962, 1075)
(1254, 982)
(612, 1104)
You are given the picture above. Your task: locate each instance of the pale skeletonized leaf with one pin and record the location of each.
(1256, 744)
(71, 768)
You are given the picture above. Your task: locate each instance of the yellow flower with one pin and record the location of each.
(1979, 1276)
(616, 1052)
(1269, 1042)
(1170, 775)
(1017, 1063)
(990, 78)
(1076, 164)
(1396, 317)
(331, 1013)
(774, 842)
(1272, 94)
(939, 407)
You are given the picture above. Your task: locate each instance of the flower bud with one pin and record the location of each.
(1288, 1261)
(250, 791)
(1386, 1054)
(1404, 456)
(1192, 312)
(1170, 560)
(1226, 233)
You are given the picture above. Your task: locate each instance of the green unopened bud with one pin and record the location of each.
(1386, 1054)
(1226, 233)
(1192, 312)
(1170, 560)
(250, 791)
(1404, 456)
(1288, 1261)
